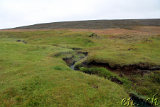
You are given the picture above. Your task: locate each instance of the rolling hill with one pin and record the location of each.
(95, 24)
(103, 63)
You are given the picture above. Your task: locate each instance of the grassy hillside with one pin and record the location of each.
(33, 72)
(96, 24)
(31, 76)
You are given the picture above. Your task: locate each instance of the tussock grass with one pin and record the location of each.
(30, 74)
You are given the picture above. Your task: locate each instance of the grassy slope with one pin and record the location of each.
(125, 50)
(31, 76)
(33, 72)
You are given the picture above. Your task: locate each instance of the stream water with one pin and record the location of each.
(72, 67)
(75, 58)
(138, 102)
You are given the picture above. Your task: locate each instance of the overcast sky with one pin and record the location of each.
(15, 13)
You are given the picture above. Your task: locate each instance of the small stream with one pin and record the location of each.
(72, 67)
(138, 102)
(71, 61)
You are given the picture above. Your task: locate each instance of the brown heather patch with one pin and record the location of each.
(111, 31)
(148, 29)
(141, 30)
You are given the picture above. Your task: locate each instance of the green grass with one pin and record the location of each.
(103, 72)
(121, 52)
(34, 74)
(149, 85)
(30, 74)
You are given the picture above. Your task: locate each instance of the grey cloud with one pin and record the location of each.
(24, 12)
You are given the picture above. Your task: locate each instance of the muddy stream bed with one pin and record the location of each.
(71, 61)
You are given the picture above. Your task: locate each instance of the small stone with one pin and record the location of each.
(18, 40)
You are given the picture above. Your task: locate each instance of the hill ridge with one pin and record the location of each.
(95, 24)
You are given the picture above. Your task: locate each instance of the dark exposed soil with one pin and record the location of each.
(76, 48)
(134, 69)
(116, 80)
(70, 61)
(23, 41)
(139, 102)
(140, 68)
